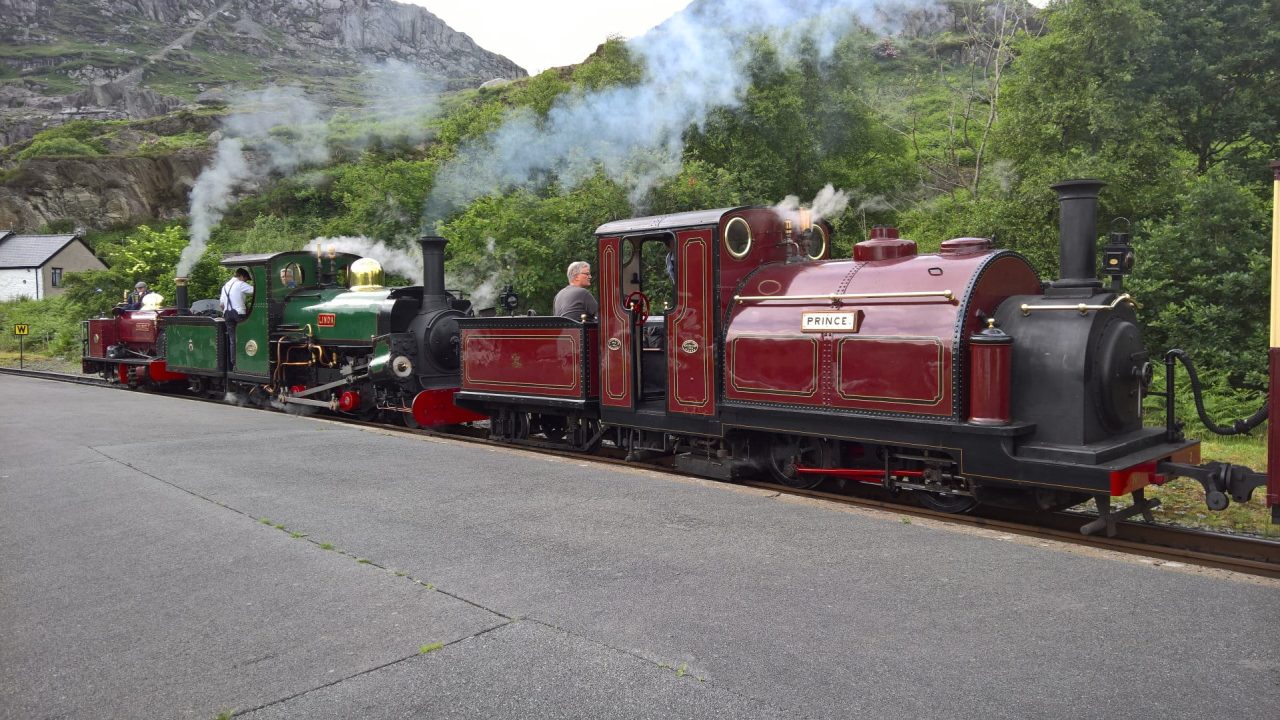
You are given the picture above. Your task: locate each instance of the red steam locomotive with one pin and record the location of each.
(129, 346)
(730, 340)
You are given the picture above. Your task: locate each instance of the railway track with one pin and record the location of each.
(1237, 553)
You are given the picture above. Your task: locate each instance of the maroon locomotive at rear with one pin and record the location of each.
(140, 327)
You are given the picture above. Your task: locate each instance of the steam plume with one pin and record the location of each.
(829, 202)
(285, 132)
(395, 260)
(693, 63)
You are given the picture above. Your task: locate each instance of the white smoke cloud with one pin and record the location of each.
(481, 285)
(280, 130)
(875, 203)
(210, 196)
(486, 280)
(402, 95)
(694, 62)
(283, 130)
(404, 263)
(828, 203)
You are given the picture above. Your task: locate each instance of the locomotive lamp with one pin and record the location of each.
(1118, 259)
(509, 300)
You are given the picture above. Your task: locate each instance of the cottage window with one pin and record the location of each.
(57, 277)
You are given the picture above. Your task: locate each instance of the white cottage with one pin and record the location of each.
(34, 266)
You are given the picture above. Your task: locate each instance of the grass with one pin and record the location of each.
(182, 77)
(168, 144)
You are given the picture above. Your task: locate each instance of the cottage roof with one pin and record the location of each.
(29, 251)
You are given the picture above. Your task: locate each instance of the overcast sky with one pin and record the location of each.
(549, 33)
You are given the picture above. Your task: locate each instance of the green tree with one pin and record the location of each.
(801, 125)
(1213, 69)
(1203, 282)
(527, 240)
(611, 64)
(379, 200)
(149, 255)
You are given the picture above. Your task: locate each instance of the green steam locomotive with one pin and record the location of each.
(321, 332)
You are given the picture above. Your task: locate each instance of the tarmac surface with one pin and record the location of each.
(161, 558)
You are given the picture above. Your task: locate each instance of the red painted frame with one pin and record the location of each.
(617, 374)
(691, 351)
(544, 362)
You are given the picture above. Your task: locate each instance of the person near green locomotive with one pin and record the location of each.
(235, 308)
(575, 301)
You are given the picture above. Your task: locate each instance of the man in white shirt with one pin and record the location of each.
(235, 308)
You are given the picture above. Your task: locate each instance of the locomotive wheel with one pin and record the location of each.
(409, 420)
(520, 426)
(789, 451)
(954, 504)
(509, 425)
(552, 427)
(581, 433)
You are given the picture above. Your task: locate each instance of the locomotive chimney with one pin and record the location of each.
(180, 297)
(1077, 234)
(433, 294)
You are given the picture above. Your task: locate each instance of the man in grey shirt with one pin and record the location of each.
(576, 300)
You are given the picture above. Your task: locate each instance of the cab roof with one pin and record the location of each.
(267, 258)
(673, 221)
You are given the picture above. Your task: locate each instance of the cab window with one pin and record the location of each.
(648, 266)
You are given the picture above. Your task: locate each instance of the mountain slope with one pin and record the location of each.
(137, 58)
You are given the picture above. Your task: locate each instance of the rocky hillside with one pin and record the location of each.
(107, 59)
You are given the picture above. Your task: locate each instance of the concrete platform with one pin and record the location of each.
(163, 558)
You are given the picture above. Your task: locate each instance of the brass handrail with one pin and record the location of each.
(833, 297)
(1082, 308)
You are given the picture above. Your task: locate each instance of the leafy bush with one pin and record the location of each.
(55, 325)
(166, 144)
(1203, 280)
(57, 147)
